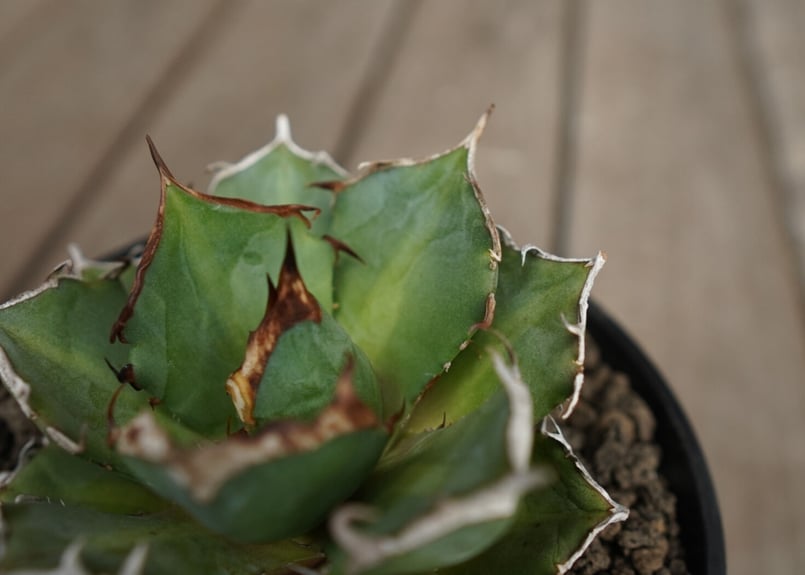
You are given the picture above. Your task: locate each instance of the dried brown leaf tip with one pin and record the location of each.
(289, 303)
(204, 470)
(168, 181)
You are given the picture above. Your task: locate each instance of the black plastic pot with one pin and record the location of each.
(683, 462)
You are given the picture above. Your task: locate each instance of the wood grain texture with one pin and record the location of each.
(303, 59)
(79, 72)
(13, 14)
(458, 58)
(671, 183)
(774, 48)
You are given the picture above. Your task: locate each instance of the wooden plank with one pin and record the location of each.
(671, 183)
(457, 59)
(304, 59)
(771, 34)
(79, 71)
(13, 14)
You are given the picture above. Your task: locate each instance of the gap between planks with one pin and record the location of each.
(131, 131)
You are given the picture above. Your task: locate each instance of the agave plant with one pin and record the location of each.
(304, 371)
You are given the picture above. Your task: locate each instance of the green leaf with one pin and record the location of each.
(445, 495)
(301, 373)
(279, 482)
(60, 477)
(63, 499)
(553, 525)
(270, 499)
(54, 343)
(175, 544)
(429, 262)
(281, 173)
(541, 310)
(203, 289)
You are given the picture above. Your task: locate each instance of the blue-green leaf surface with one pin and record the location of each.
(203, 290)
(445, 495)
(54, 347)
(281, 173)
(552, 525)
(428, 256)
(60, 500)
(541, 304)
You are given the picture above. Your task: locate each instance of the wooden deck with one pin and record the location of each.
(670, 134)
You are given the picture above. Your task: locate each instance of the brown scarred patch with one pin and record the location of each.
(289, 303)
(167, 179)
(204, 470)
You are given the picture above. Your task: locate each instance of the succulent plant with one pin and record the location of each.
(304, 371)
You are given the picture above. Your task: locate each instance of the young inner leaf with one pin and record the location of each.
(289, 303)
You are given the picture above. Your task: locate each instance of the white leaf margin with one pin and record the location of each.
(618, 512)
(499, 500)
(73, 268)
(282, 137)
(577, 328)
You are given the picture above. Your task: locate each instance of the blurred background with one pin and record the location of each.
(670, 134)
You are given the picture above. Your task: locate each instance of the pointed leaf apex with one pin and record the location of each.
(164, 172)
(282, 137)
(283, 130)
(471, 141)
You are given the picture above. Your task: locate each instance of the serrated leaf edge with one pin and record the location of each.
(497, 501)
(71, 268)
(618, 512)
(470, 143)
(20, 389)
(168, 180)
(282, 137)
(578, 328)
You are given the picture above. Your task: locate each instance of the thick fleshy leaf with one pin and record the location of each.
(277, 483)
(553, 525)
(540, 312)
(289, 303)
(54, 343)
(429, 263)
(411, 303)
(56, 475)
(445, 495)
(281, 173)
(295, 357)
(299, 377)
(63, 501)
(201, 287)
